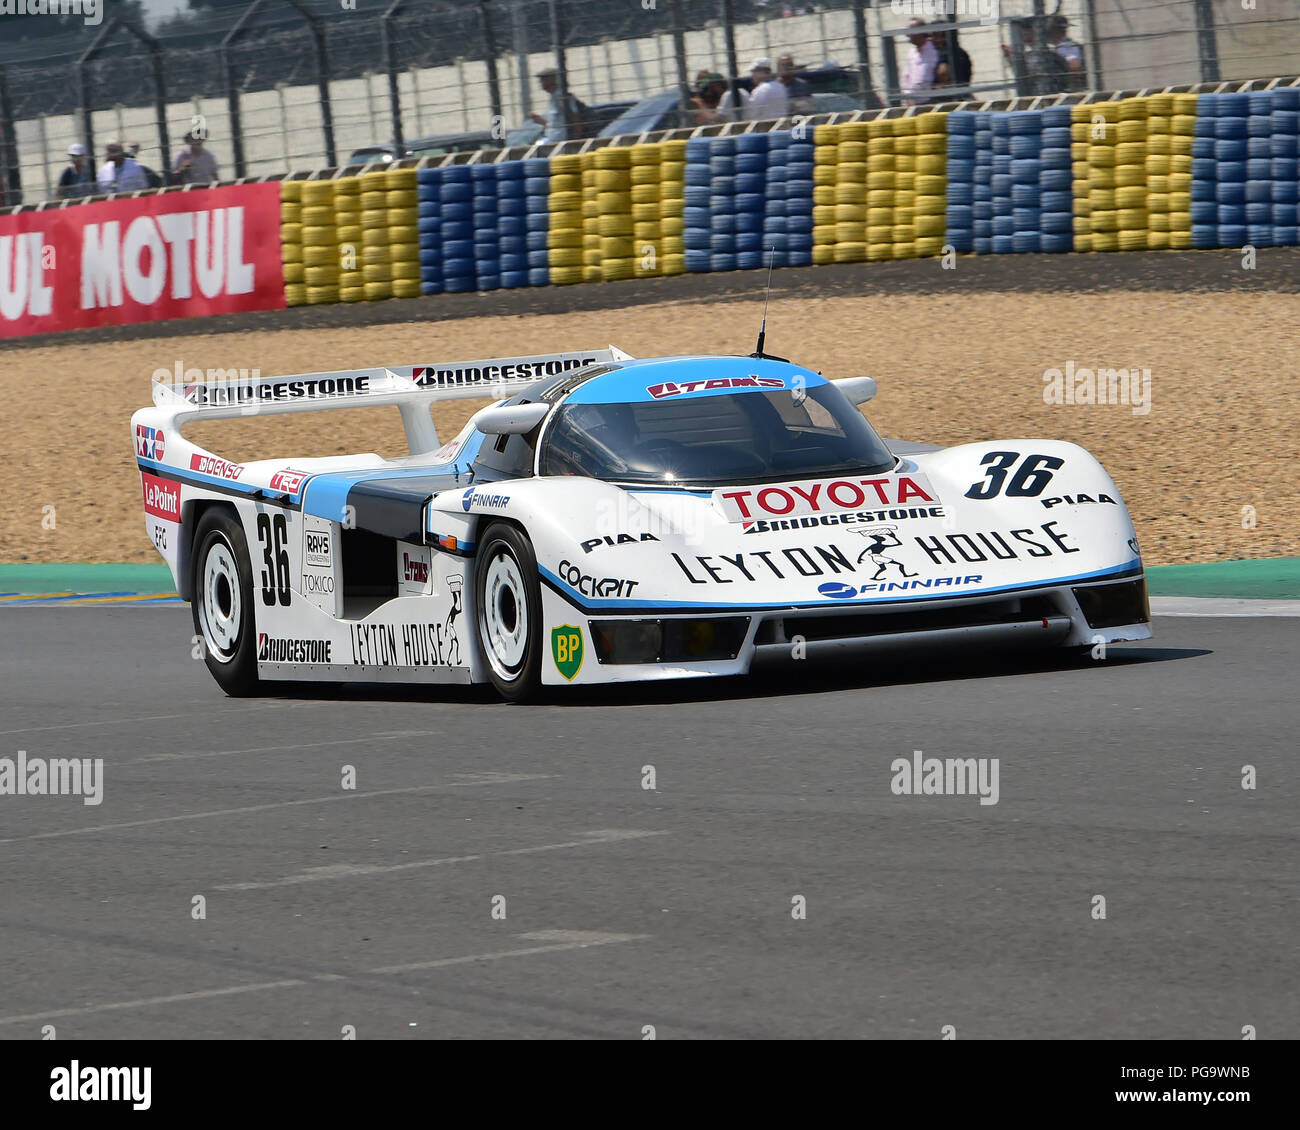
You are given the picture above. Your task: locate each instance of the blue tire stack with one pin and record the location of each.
(428, 187)
(512, 239)
(1259, 169)
(456, 194)
(750, 200)
(1003, 221)
(1026, 132)
(487, 240)
(696, 234)
(799, 200)
(1231, 123)
(959, 213)
(1056, 182)
(537, 219)
(1205, 175)
(722, 204)
(775, 230)
(1284, 149)
(982, 204)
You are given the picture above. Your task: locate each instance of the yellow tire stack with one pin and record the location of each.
(672, 177)
(931, 184)
(1131, 195)
(295, 291)
(1103, 212)
(1082, 133)
(905, 166)
(1160, 109)
(1182, 131)
(402, 203)
(348, 231)
(590, 220)
(851, 193)
(882, 182)
(647, 229)
(826, 142)
(614, 196)
(320, 244)
(376, 271)
(565, 235)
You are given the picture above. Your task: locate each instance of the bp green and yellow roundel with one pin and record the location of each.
(566, 649)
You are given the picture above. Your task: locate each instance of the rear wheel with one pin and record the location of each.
(222, 602)
(509, 612)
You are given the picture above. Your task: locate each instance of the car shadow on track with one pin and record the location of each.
(805, 677)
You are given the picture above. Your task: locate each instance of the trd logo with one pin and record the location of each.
(148, 442)
(288, 481)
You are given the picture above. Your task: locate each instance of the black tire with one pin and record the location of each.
(221, 603)
(508, 612)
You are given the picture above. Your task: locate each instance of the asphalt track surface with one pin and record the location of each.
(1276, 270)
(626, 907)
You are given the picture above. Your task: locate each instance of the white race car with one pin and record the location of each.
(611, 520)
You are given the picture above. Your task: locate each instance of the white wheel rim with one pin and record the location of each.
(504, 616)
(219, 606)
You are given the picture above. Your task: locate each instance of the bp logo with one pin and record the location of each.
(566, 648)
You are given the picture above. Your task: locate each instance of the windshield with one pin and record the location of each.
(708, 441)
(645, 115)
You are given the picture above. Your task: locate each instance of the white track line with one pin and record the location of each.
(557, 941)
(483, 779)
(359, 870)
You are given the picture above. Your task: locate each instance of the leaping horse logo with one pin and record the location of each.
(882, 538)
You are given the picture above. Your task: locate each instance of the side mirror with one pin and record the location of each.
(510, 419)
(858, 390)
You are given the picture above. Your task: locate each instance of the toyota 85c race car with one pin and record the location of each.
(609, 519)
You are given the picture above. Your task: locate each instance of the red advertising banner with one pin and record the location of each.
(144, 259)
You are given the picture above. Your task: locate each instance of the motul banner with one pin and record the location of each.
(142, 259)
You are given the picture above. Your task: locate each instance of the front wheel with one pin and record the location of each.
(222, 603)
(509, 612)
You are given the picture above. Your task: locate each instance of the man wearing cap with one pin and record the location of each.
(76, 179)
(798, 89)
(562, 121)
(1071, 54)
(119, 173)
(195, 165)
(710, 87)
(767, 97)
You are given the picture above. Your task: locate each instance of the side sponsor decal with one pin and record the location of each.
(320, 549)
(277, 649)
(288, 480)
(788, 500)
(951, 549)
(149, 442)
(566, 650)
(414, 569)
(443, 376)
(615, 539)
(481, 498)
(588, 585)
(211, 465)
(268, 391)
(681, 388)
(426, 644)
(1076, 500)
(162, 497)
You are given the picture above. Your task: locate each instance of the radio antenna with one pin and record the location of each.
(767, 298)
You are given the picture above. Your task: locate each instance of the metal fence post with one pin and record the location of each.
(556, 16)
(679, 51)
(864, 57)
(729, 34)
(9, 145)
(490, 59)
(390, 66)
(1207, 43)
(317, 26)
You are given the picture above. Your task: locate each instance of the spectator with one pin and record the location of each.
(798, 89)
(132, 151)
(195, 165)
(727, 105)
(951, 72)
(562, 122)
(767, 97)
(1076, 76)
(119, 173)
(922, 60)
(77, 179)
(706, 102)
(1038, 70)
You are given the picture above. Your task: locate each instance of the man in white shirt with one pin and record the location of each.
(768, 98)
(922, 60)
(561, 122)
(119, 173)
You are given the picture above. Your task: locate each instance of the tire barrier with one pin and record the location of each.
(1152, 172)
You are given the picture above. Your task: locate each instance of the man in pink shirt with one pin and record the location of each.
(918, 78)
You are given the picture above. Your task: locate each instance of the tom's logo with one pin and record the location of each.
(882, 539)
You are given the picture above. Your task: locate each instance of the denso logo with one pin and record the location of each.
(162, 498)
(211, 465)
(415, 570)
(787, 499)
(148, 442)
(680, 388)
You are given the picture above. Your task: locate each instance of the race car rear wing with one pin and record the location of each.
(411, 388)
